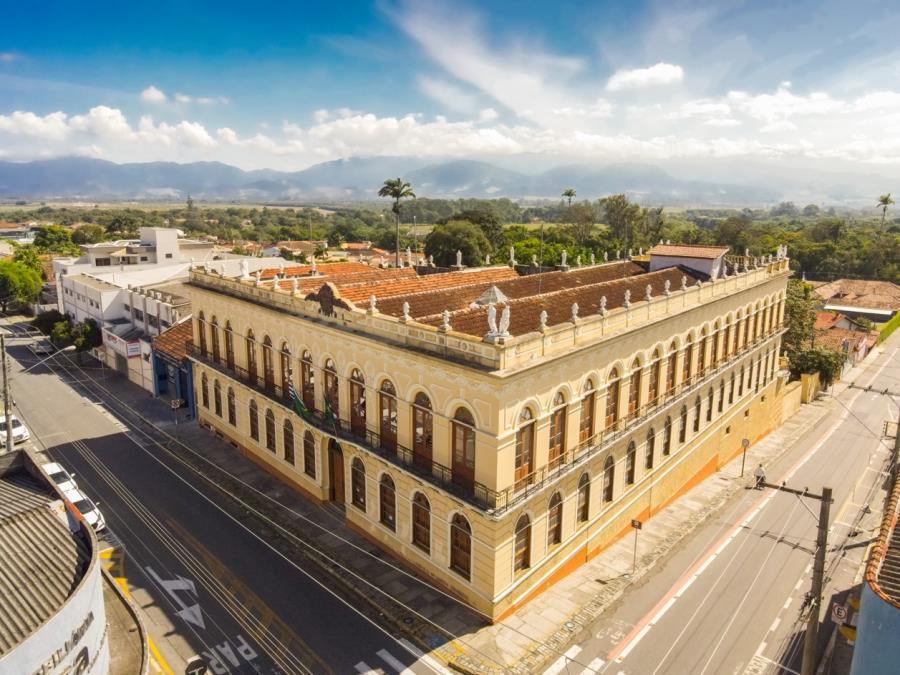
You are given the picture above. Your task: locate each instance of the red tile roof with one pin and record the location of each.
(677, 251)
(324, 269)
(174, 341)
(825, 320)
(861, 293)
(429, 283)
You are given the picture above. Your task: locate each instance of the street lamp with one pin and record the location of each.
(6, 396)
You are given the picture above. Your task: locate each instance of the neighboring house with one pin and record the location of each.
(874, 300)
(302, 246)
(20, 232)
(171, 366)
(841, 333)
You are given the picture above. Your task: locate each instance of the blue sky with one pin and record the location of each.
(285, 85)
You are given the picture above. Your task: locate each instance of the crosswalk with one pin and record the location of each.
(570, 664)
(383, 658)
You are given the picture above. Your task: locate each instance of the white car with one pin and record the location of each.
(63, 479)
(20, 432)
(87, 508)
(42, 347)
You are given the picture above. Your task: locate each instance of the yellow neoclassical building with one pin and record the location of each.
(494, 428)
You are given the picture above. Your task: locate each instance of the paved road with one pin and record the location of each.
(215, 587)
(732, 599)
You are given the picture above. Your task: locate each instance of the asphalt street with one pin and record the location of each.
(210, 586)
(732, 599)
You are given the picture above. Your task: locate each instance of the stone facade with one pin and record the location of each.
(542, 446)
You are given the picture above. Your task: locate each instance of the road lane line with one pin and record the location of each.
(562, 662)
(394, 663)
(593, 667)
(363, 669)
(625, 652)
(775, 624)
(787, 603)
(778, 665)
(430, 661)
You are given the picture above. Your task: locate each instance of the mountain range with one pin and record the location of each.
(358, 178)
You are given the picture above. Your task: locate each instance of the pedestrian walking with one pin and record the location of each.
(760, 474)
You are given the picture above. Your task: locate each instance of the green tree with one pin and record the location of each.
(487, 219)
(569, 193)
(28, 256)
(582, 217)
(396, 189)
(828, 363)
(620, 215)
(53, 239)
(884, 201)
(18, 283)
(45, 321)
(85, 335)
(458, 235)
(799, 316)
(89, 233)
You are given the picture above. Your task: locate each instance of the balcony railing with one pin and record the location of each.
(424, 467)
(477, 494)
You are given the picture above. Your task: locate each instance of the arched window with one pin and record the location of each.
(421, 522)
(463, 432)
(288, 438)
(653, 385)
(358, 484)
(387, 405)
(721, 395)
(586, 419)
(204, 390)
(612, 399)
(460, 546)
(557, 451)
(741, 383)
(749, 374)
(698, 408)
(285, 356)
(634, 389)
(229, 346)
(358, 403)
(253, 413)
(726, 346)
(746, 337)
(251, 357)
(217, 398)
(609, 476)
(682, 424)
(715, 355)
(701, 351)
(756, 314)
(687, 361)
(270, 430)
(201, 330)
(268, 364)
(524, 448)
(232, 408)
(307, 381)
(650, 451)
(331, 388)
(554, 520)
(630, 457)
(710, 398)
(766, 371)
(309, 454)
(670, 368)
(522, 555)
(731, 390)
(387, 500)
(214, 333)
(758, 371)
(584, 498)
(667, 437)
(423, 422)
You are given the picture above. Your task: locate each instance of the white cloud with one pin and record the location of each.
(783, 104)
(9, 57)
(182, 98)
(200, 100)
(52, 126)
(656, 75)
(153, 95)
(488, 115)
(104, 122)
(449, 95)
(321, 115)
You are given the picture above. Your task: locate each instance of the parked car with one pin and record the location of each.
(87, 508)
(63, 479)
(20, 432)
(42, 347)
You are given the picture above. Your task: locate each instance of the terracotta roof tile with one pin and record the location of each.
(324, 269)
(174, 341)
(429, 283)
(688, 251)
(861, 293)
(825, 320)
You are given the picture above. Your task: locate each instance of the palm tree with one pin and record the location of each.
(569, 192)
(884, 201)
(396, 189)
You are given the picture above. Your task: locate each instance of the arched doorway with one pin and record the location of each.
(335, 472)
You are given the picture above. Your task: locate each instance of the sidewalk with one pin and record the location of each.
(524, 642)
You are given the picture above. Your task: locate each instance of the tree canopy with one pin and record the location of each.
(19, 283)
(457, 235)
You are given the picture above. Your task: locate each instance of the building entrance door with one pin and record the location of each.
(335, 472)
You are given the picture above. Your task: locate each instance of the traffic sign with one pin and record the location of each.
(176, 403)
(838, 613)
(196, 666)
(745, 443)
(636, 524)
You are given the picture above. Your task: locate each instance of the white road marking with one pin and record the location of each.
(779, 665)
(560, 664)
(389, 659)
(787, 603)
(363, 668)
(633, 643)
(775, 624)
(594, 667)
(431, 662)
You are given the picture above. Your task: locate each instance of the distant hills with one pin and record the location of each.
(357, 178)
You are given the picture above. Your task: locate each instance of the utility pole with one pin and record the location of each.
(818, 574)
(6, 399)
